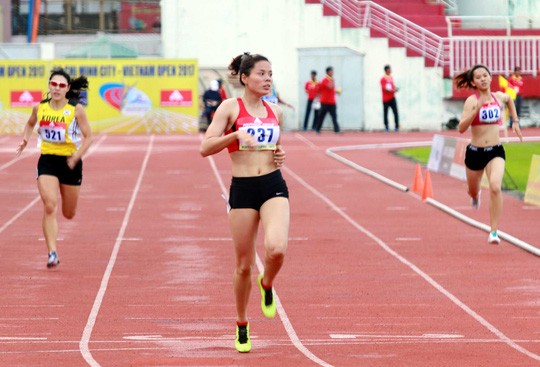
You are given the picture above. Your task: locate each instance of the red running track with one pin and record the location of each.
(373, 276)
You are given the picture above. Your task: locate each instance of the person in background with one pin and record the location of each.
(211, 100)
(250, 129)
(273, 97)
(389, 89)
(312, 90)
(222, 90)
(516, 83)
(482, 112)
(327, 96)
(64, 136)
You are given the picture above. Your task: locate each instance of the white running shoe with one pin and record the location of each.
(53, 260)
(494, 238)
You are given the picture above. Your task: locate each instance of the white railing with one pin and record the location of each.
(499, 54)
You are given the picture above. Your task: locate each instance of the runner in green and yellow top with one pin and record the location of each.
(64, 135)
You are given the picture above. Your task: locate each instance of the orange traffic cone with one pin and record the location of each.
(418, 184)
(428, 190)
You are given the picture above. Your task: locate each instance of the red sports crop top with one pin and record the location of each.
(266, 130)
(489, 113)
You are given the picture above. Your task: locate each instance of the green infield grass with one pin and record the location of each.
(518, 161)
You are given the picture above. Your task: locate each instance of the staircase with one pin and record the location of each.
(428, 15)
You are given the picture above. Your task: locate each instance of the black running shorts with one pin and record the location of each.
(56, 165)
(477, 158)
(253, 192)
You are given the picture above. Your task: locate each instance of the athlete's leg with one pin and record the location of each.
(275, 218)
(70, 198)
(495, 173)
(243, 224)
(474, 179)
(48, 190)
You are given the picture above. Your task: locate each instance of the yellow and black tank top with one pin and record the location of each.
(58, 132)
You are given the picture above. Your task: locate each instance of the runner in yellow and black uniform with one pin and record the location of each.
(64, 137)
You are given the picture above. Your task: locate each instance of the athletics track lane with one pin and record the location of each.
(169, 298)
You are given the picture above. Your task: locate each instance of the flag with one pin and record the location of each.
(504, 87)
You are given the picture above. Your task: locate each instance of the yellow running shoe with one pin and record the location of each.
(268, 305)
(242, 342)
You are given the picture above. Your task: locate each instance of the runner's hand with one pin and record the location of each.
(21, 147)
(517, 130)
(279, 156)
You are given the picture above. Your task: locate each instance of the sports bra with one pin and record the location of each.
(490, 113)
(265, 130)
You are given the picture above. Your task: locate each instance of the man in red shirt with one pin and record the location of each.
(327, 95)
(312, 89)
(516, 83)
(389, 90)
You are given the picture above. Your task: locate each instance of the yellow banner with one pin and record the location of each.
(124, 96)
(532, 193)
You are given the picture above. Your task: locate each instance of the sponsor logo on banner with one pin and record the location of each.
(25, 98)
(176, 97)
(126, 98)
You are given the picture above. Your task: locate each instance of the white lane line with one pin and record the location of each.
(378, 176)
(16, 159)
(19, 214)
(390, 336)
(37, 198)
(87, 333)
(505, 236)
(417, 270)
(279, 307)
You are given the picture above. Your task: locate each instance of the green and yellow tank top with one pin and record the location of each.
(58, 132)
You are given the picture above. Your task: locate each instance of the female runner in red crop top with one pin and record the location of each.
(483, 113)
(250, 129)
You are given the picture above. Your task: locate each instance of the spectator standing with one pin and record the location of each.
(312, 89)
(327, 96)
(516, 83)
(211, 100)
(389, 90)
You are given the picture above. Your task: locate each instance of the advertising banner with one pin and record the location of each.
(135, 96)
(448, 156)
(532, 193)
